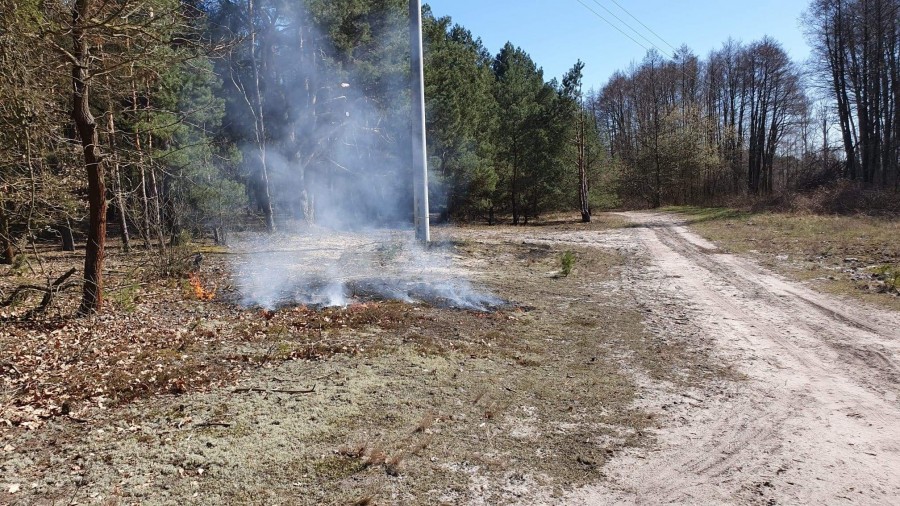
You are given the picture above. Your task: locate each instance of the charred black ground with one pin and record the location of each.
(319, 293)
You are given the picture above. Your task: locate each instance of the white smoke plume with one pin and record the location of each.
(338, 155)
(333, 268)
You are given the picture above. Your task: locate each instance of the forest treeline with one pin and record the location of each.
(748, 120)
(164, 119)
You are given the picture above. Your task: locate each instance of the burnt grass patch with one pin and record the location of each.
(323, 293)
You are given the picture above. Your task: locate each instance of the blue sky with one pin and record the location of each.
(557, 33)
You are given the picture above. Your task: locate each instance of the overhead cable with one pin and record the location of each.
(645, 26)
(586, 6)
(639, 34)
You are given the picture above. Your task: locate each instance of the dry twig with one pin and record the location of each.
(273, 390)
(212, 424)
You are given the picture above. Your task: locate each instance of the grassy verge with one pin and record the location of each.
(857, 256)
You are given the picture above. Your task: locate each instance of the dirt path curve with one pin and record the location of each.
(816, 422)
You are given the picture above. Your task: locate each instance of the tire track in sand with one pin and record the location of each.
(816, 422)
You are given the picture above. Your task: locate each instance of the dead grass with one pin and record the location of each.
(849, 198)
(562, 221)
(849, 255)
(570, 221)
(413, 405)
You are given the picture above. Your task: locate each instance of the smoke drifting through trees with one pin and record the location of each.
(321, 130)
(328, 145)
(248, 114)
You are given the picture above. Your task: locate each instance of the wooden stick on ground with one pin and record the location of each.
(212, 424)
(273, 390)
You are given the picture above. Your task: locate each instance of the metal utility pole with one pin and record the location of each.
(420, 161)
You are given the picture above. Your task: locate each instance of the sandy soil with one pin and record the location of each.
(814, 423)
(661, 371)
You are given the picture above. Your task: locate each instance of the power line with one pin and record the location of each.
(645, 26)
(675, 55)
(639, 34)
(586, 6)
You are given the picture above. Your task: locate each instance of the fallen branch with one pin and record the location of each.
(49, 291)
(273, 391)
(212, 424)
(276, 379)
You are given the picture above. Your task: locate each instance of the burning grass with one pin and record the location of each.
(323, 294)
(200, 292)
(341, 269)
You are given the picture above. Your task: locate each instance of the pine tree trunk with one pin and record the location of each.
(583, 196)
(117, 181)
(514, 190)
(116, 171)
(145, 207)
(120, 203)
(156, 205)
(92, 295)
(157, 212)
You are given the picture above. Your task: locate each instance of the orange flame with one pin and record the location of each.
(200, 292)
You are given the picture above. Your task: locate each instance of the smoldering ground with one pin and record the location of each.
(332, 268)
(338, 163)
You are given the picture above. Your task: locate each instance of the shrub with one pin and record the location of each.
(888, 274)
(567, 263)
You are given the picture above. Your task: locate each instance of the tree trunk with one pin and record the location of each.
(117, 182)
(117, 193)
(582, 171)
(144, 223)
(514, 188)
(92, 295)
(120, 203)
(145, 206)
(68, 240)
(657, 162)
(156, 209)
(7, 252)
(265, 194)
(514, 195)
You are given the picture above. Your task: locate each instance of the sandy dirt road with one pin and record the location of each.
(817, 420)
